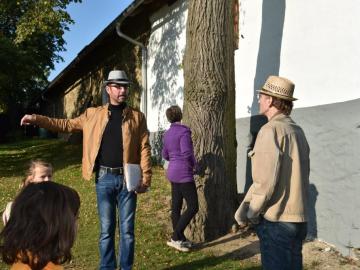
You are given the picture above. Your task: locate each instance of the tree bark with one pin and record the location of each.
(209, 110)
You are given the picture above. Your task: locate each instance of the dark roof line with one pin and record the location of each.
(88, 48)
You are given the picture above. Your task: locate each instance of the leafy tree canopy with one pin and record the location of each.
(31, 37)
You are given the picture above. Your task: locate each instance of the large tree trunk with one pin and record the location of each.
(209, 110)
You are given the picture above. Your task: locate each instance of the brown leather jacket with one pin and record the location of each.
(92, 123)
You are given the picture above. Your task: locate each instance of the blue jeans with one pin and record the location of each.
(281, 244)
(111, 192)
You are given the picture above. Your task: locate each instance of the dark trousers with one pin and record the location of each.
(179, 192)
(281, 244)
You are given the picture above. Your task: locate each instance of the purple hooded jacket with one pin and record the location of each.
(178, 150)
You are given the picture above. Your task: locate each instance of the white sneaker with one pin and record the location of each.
(179, 245)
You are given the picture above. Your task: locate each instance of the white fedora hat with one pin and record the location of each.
(118, 77)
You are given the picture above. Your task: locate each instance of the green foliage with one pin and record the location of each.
(152, 217)
(31, 36)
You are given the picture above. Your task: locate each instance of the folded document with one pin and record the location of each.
(132, 173)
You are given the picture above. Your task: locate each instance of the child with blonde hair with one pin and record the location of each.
(38, 171)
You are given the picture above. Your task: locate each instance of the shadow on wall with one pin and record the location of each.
(88, 96)
(156, 139)
(167, 58)
(268, 63)
(84, 99)
(312, 223)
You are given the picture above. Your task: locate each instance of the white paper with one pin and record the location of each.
(166, 165)
(132, 173)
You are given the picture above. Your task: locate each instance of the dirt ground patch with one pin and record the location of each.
(245, 246)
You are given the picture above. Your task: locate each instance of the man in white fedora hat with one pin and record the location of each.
(114, 136)
(276, 203)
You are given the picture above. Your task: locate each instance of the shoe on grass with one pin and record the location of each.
(179, 245)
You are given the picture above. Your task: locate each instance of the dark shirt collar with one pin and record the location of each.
(119, 107)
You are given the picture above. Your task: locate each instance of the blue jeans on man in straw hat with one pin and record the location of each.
(111, 192)
(281, 244)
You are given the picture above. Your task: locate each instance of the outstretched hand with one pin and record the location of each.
(27, 119)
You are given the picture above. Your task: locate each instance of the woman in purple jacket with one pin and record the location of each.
(178, 150)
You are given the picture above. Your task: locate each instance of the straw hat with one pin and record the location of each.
(278, 87)
(117, 77)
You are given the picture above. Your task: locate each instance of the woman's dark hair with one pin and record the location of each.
(42, 226)
(174, 114)
(285, 106)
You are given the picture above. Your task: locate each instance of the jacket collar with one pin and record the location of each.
(126, 112)
(279, 117)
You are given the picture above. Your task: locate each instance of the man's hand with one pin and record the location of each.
(241, 214)
(28, 119)
(142, 188)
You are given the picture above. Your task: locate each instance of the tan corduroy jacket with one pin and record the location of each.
(92, 123)
(280, 172)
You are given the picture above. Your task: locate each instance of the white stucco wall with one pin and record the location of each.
(321, 50)
(165, 54)
(318, 49)
(315, 44)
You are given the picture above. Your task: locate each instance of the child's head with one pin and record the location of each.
(38, 171)
(42, 226)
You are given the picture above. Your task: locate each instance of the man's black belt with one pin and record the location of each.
(115, 171)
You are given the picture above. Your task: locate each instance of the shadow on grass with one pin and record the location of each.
(15, 156)
(221, 241)
(213, 261)
(242, 253)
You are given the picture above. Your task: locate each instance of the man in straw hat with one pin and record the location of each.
(276, 203)
(115, 136)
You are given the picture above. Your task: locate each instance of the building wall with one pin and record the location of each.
(165, 54)
(333, 131)
(310, 43)
(307, 41)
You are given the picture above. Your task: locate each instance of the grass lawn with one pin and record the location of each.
(152, 220)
